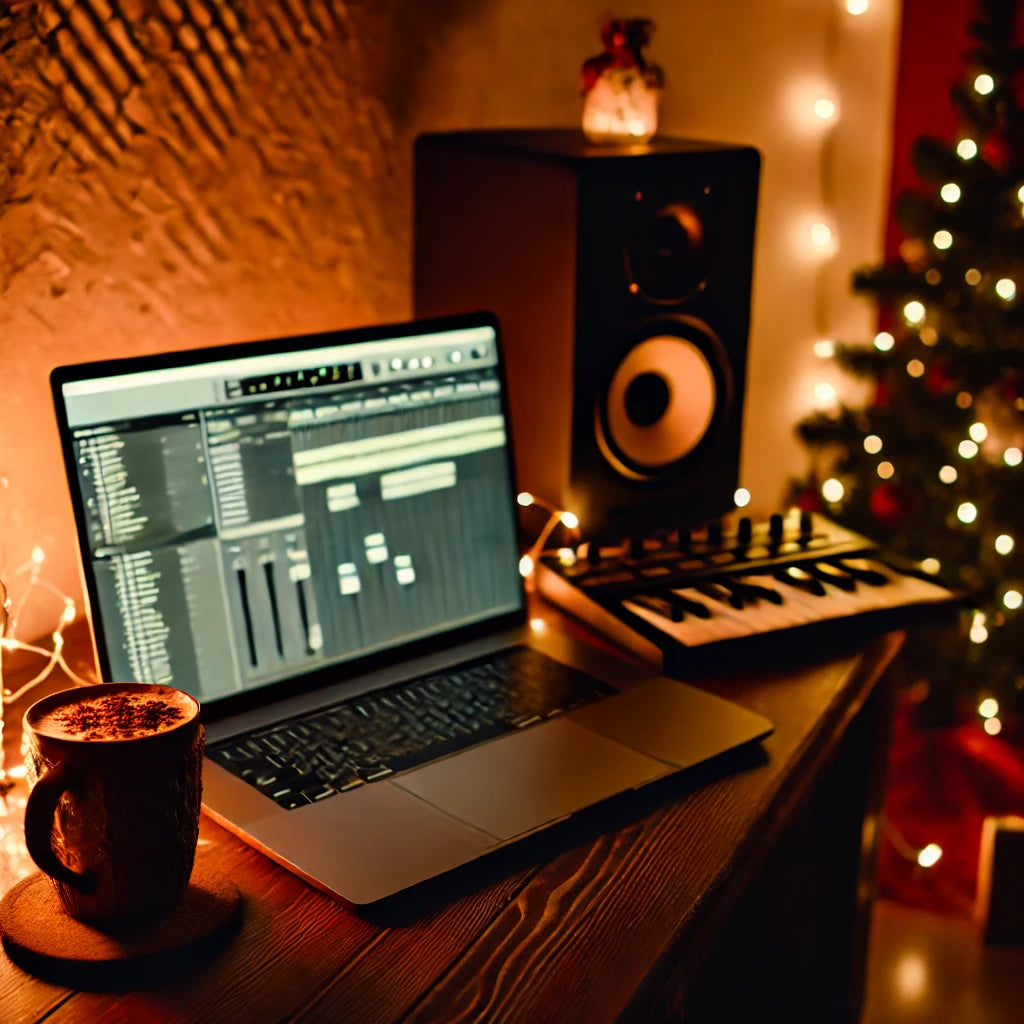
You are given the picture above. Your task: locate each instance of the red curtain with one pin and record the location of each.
(934, 50)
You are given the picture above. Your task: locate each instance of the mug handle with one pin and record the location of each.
(39, 812)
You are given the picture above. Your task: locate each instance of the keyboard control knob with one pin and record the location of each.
(775, 526)
(714, 533)
(744, 530)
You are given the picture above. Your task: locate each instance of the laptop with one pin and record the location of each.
(317, 536)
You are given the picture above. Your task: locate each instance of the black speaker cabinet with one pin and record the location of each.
(621, 277)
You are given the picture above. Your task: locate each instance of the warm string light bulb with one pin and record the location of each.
(825, 109)
(27, 579)
(556, 517)
(926, 856)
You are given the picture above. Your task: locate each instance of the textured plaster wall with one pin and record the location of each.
(188, 172)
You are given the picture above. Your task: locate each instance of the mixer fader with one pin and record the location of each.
(720, 597)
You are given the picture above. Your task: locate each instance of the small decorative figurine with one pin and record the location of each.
(620, 88)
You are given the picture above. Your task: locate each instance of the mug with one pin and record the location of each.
(113, 813)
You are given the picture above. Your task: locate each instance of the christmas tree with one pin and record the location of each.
(929, 466)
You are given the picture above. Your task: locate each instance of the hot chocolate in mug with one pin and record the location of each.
(113, 813)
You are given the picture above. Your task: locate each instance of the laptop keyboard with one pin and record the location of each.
(363, 739)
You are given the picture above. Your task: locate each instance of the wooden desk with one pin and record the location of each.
(739, 891)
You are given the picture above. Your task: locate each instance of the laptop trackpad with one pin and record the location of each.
(673, 722)
(520, 782)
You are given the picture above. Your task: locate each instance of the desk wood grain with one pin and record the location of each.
(610, 916)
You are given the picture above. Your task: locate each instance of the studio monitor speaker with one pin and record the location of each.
(621, 278)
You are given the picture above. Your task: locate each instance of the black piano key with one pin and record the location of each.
(721, 592)
(686, 604)
(752, 592)
(672, 612)
(833, 574)
(863, 570)
(794, 576)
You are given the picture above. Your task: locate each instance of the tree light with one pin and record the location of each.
(1012, 456)
(825, 349)
(1005, 288)
(967, 512)
(525, 566)
(942, 239)
(988, 708)
(886, 470)
(984, 84)
(978, 432)
(570, 520)
(967, 449)
(967, 149)
(950, 192)
(1020, 194)
(964, 400)
(832, 490)
(884, 341)
(973, 276)
(932, 566)
(741, 497)
(856, 7)
(930, 855)
(872, 444)
(979, 632)
(993, 726)
(1012, 600)
(948, 475)
(914, 311)
(1003, 544)
(915, 368)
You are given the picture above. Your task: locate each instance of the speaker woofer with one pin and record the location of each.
(663, 399)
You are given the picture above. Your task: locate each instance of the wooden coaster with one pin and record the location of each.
(41, 938)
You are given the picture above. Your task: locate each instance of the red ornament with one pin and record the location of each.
(882, 394)
(810, 500)
(624, 40)
(889, 505)
(995, 150)
(938, 380)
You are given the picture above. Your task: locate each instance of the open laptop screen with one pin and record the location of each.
(253, 513)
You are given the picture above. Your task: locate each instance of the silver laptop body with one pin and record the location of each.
(279, 525)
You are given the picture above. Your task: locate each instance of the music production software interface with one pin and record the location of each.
(254, 518)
